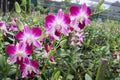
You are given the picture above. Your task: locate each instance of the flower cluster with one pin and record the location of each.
(27, 39)
(21, 51)
(76, 20)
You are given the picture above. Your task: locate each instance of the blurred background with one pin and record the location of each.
(112, 7)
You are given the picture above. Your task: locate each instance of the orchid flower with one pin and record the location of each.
(3, 27)
(77, 39)
(19, 52)
(48, 48)
(79, 17)
(13, 25)
(30, 36)
(29, 67)
(57, 24)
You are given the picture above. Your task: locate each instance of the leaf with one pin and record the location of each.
(24, 2)
(17, 7)
(20, 25)
(55, 75)
(36, 17)
(101, 69)
(70, 77)
(63, 42)
(1, 60)
(7, 79)
(87, 77)
(100, 4)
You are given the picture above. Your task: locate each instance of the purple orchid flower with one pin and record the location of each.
(19, 52)
(29, 68)
(57, 24)
(79, 17)
(30, 36)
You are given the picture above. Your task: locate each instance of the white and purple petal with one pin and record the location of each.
(87, 22)
(36, 71)
(21, 46)
(37, 44)
(49, 20)
(84, 8)
(24, 74)
(36, 31)
(74, 10)
(67, 19)
(88, 11)
(20, 35)
(11, 50)
(60, 14)
(29, 49)
(27, 29)
(34, 63)
(12, 60)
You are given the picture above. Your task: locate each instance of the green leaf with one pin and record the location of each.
(70, 77)
(1, 60)
(101, 69)
(62, 43)
(24, 2)
(20, 25)
(55, 75)
(36, 17)
(7, 79)
(87, 77)
(17, 7)
(100, 4)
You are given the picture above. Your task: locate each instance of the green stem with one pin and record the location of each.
(52, 52)
(95, 13)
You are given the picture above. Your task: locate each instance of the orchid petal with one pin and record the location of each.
(88, 11)
(56, 37)
(65, 31)
(50, 30)
(36, 31)
(19, 60)
(51, 38)
(82, 25)
(11, 50)
(12, 60)
(21, 46)
(27, 29)
(36, 71)
(37, 44)
(48, 20)
(24, 74)
(29, 49)
(34, 63)
(57, 33)
(84, 8)
(60, 14)
(87, 21)
(66, 19)
(22, 67)
(27, 60)
(20, 35)
(75, 26)
(2, 24)
(30, 75)
(74, 10)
